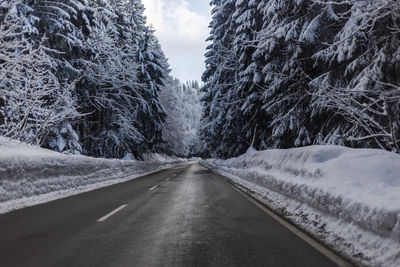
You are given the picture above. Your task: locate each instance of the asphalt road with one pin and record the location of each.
(185, 216)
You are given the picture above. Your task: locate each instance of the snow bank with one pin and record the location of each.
(348, 197)
(31, 175)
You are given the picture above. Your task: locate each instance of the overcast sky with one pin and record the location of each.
(182, 28)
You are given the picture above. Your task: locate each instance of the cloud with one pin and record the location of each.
(182, 34)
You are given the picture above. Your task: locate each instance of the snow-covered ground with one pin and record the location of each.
(30, 175)
(348, 198)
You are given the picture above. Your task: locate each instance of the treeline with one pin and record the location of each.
(83, 77)
(184, 109)
(290, 73)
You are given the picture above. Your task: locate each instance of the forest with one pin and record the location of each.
(90, 77)
(293, 73)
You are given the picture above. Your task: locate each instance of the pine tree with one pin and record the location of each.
(219, 78)
(109, 91)
(361, 83)
(249, 86)
(121, 81)
(181, 103)
(33, 102)
(98, 55)
(153, 70)
(64, 25)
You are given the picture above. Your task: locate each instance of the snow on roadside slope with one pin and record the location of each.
(349, 198)
(30, 175)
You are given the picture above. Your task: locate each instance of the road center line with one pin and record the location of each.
(167, 179)
(154, 187)
(102, 219)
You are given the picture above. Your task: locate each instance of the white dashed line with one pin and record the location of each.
(102, 219)
(154, 187)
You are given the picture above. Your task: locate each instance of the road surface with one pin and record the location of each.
(185, 216)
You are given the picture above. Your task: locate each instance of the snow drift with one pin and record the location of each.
(31, 175)
(350, 197)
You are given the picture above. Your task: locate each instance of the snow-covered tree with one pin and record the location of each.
(181, 103)
(33, 103)
(249, 86)
(65, 24)
(109, 95)
(97, 55)
(120, 82)
(153, 70)
(292, 32)
(287, 73)
(192, 111)
(216, 133)
(362, 82)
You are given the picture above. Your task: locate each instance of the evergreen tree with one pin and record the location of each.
(33, 103)
(287, 73)
(97, 55)
(64, 25)
(109, 90)
(181, 103)
(219, 78)
(362, 81)
(153, 70)
(121, 82)
(249, 119)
